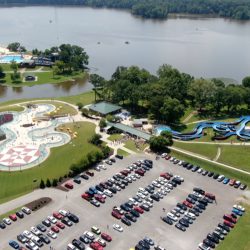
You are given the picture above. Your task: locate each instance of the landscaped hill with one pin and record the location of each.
(236, 9)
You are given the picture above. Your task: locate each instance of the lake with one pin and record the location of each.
(203, 47)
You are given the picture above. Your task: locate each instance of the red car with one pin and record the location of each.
(125, 172)
(168, 157)
(228, 223)
(139, 172)
(139, 210)
(13, 217)
(90, 173)
(229, 218)
(232, 182)
(165, 175)
(106, 237)
(86, 197)
(116, 215)
(69, 185)
(99, 198)
(96, 246)
(188, 204)
(57, 215)
(55, 229)
(60, 225)
(210, 196)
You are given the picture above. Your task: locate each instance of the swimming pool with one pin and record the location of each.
(10, 58)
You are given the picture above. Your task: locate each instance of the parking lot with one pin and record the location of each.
(149, 224)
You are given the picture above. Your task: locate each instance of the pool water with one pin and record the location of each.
(10, 58)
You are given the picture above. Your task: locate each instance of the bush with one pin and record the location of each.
(54, 182)
(42, 184)
(102, 123)
(48, 183)
(96, 139)
(79, 105)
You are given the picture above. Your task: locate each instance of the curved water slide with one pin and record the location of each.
(224, 129)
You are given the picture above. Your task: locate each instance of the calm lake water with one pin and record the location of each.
(207, 47)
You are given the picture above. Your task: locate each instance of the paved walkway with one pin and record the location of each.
(206, 159)
(218, 154)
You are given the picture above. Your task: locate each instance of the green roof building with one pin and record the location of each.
(105, 108)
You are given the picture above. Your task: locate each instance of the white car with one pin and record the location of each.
(103, 167)
(35, 231)
(71, 247)
(197, 195)
(147, 203)
(51, 234)
(101, 242)
(143, 191)
(7, 221)
(119, 210)
(133, 201)
(118, 228)
(180, 163)
(159, 248)
(142, 196)
(239, 207)
(63, 212)
(52, 219)
(31, 245)
(164, 155)
(172, 217)
(26, 210)
(89, 235)
(203, 246)
(190, 215)
(97, 168)
(220, 178)
(200, 170)
(137, 176)
(179, 177)
(154, 183)
(117, 188)
(108, 193)
(27, 234)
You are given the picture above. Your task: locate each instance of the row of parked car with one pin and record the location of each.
(185, 213)
(146, 243)
(130, 211)
(7, 221)
(95, 239)
(97, 194)
(220, 178)
(221, 231)
(44, 232)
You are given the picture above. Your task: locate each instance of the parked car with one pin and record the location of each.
(69, 185)
(26, 210)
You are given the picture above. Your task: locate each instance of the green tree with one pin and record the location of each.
(54, 182)
(98, 82)
(102, 123)
(48, 183)
(234, 97)
(2, 74)
(96, 139)
(168, 136)
(15, 76)
(14, 46)
(246, 82)
(158, 143)
(42, 184)
(79, 105)
(172, 110)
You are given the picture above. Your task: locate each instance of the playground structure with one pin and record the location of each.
(223, 130)
(29, 136)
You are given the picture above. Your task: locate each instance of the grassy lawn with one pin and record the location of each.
(84, 98)
(130, 144)
(122, 152)
(207, 150)
(10, 212)
(237, 238)
(43, 78)
(11, 108)
(57, 164)
(236, 156)
(213, 167)
(115, 137)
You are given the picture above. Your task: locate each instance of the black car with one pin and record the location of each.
(126, 221)
(189, 166)
(199, 190)
(99, 188)
(155, 197)
(190, 200)
(210, 174)
(84, 239)
(73, 217)
(125, 182)
(41, 227)
(167, 220)
(77, 180)
(21, 238)
(125, 208)
(209, 243)
(119, 156)
(135, 213)
(213, 239)
(181, 206)
(20, 214)
(44, 239)
(203, 201)
(150, 190)
(223, 226)
(78, 244)
(113, 160)
(205, 172)
(195, 168)
(187, 219)
(46, 223)
(67, 222)
(208, 200)
(196, 213)
(216, 176)
(129, 204)
(139, 247)
(201, 206)
(197, 209)
(243, 187)
(130, 217)
(179, 226)
(84, 176)
(192, 196)
(2, 225)
(144, 244)
(113, 190)
(176, 180)
(137, 198)
(184, 222)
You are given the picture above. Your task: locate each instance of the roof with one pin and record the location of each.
(130, 130)
(104, 108)
(137, 121)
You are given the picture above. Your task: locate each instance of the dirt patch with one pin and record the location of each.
(39, 203)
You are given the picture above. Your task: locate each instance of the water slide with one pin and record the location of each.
(223, 129)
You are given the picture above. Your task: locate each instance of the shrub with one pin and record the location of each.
(42, 184)
(48, 183)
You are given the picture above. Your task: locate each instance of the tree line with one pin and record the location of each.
(165, 97)
(236, 9)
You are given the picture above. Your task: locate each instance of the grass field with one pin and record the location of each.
(115, 137)
(130, 144)
(238, 238)
(122, 152)
(206, 150)
(11, 108)
(14, 184)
